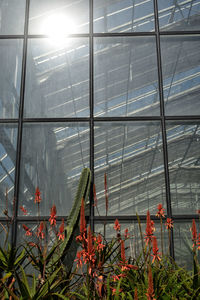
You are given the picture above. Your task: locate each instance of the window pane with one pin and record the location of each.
(57, 79)
(125, 83)
(59, 17)
(131, 155)
(10, 77)
(8, 142)
(183, 244)
(181, 72)
(184, 166)
(12, 15)
(53, 156)
(5, 227)
(179, 15)
(123, 15)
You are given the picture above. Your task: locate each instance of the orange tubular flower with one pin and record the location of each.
(90, 247)
(61, 231)
(155, 250)
(100, 246)
(135, 294)
(23, 210)
(123, 257)
(198, 242)
(126, 233)
(117, 226)
(194, 233)
(153, 226)
(90, 254)
(28, 230)
(149, 230)
(52, 218)
(169, 223)
(37, 195)
(40, 232)
(79, 260)
(150, 291)
(124, 263)
(160, 212)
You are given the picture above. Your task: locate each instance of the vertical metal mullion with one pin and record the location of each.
(91, 87)
(163, 125)
(20, 126)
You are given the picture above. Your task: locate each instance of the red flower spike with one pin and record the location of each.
(23, 210)
(123, 257)
(135, 294)
(94, 195)
(31, 244)
(28, 230)
(100, 246)
(52, 218)
(198, 242)
(61, 231)
(153, 226)
(82, 218)
(155, 250)
(115, 290)
(169, 223)
(161, 211)
(150, 291)
(106, 191)
(117, 226)
(40, 232)
(37, 195)
(79, 260)
(194, 233)
(90, 242)
(126, 233)
(149, 230)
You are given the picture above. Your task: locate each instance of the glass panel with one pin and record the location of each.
(181, 72)
(53, 156)
(125, 82)
(123, 15)
(131, 155)
(133, 244)
(59, 17)
(183, 244)
(57, 79)
(10, 77)
(8, 142)
(12, 15)
(184, 166)
(179, 14)
(5, 232)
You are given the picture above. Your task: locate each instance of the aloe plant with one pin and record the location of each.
(68, 248)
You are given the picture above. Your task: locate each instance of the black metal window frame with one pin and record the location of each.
(91, 119)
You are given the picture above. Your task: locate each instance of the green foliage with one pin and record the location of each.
(102, 272)
(72, 221)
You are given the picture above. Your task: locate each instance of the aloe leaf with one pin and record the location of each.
(46, 287)
(21, 257)
(60, 296)
(68, 249)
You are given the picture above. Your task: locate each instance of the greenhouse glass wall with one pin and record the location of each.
(113, 85)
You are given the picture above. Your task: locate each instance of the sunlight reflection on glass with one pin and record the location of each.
(57, 27)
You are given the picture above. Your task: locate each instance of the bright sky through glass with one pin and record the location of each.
(58, 26)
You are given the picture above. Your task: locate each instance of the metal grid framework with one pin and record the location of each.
(93, 120)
